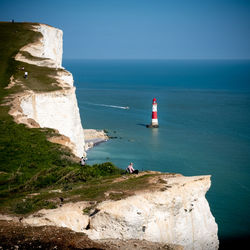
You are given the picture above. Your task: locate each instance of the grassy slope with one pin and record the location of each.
(28, 161)
(24, 153)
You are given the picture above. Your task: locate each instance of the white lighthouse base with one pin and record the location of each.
(152, 126)
(154, 123)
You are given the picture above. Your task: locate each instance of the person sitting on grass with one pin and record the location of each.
(131, 170)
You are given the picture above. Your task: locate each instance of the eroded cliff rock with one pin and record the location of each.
(93, 137)
(57, 109)
(171, 210)
(175, 211)
(47, 50)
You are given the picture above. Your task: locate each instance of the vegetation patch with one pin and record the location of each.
(28, 161)
(29, 205)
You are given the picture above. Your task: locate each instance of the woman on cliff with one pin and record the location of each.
(131, 170)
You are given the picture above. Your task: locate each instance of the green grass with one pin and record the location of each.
(93, 189)
(71, 179)
(28, 161)
(30, 205)
(23, 152)
(13, 36)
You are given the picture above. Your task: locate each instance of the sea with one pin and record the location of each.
(204, 124)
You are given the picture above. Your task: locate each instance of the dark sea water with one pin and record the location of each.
(204, 118)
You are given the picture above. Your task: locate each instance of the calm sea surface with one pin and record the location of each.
(204, 118)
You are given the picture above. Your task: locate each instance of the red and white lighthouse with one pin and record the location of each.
(154, 123)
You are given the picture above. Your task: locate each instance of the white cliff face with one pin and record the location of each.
(56, 109)
(49, 48)
(69, 215)
(176, 212)
(178, 215)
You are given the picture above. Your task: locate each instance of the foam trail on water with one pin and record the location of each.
(109, 106)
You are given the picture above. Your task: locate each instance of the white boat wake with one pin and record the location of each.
(109, 106)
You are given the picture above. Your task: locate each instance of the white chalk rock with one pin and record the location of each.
(178, 215)
(174, 213)
(57, 110)
(69, 215)
(49, 47)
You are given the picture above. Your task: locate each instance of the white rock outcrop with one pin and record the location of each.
(49, 48)
(175, 212)
(54, 109)
(58, 110)
(69, 215)
(93, 137)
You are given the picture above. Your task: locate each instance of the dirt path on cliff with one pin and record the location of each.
(15, 235)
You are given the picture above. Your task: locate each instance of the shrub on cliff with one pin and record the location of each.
(98, 170)
(88, 172)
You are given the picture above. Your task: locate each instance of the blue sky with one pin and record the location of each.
(142, 29)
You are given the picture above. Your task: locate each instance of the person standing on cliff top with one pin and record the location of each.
(131, 170)
(83, 161)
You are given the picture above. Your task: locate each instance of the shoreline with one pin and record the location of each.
(93, 137)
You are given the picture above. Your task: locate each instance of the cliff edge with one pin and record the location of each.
(173, 210)
(101, 201)
(55, 107)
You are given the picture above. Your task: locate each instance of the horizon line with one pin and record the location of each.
(162, 59)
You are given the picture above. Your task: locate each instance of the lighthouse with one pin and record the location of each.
(154, 123)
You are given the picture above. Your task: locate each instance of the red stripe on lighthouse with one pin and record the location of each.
(154, 113)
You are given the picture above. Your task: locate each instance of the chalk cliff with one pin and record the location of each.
(175, 211)
(48, 49)
(178, 213)
(53, 109)
(57, 110)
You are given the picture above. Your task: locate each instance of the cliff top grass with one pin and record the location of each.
(29, 163)
(14, 36)
(20, 146)
(82, 186)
